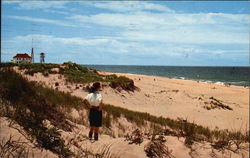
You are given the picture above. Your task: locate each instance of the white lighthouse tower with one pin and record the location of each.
(32, 55)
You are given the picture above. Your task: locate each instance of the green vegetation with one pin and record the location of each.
(30, 105)
(122, 82)
(33, 104)
(26, 103)
(59, 99)
(8, 64)
(79, 74)
(76, 74)
(45, 69)
(191, 131)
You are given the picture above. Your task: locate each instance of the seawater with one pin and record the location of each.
(239, 76)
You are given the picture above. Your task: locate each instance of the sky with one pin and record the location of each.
(180, 33)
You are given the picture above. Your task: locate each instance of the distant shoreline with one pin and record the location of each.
(198, 74)
(178, 79)
(163, 65)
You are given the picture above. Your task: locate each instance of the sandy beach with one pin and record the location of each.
(173, 98)
(124, 79)
(186, 99)
(207, 104)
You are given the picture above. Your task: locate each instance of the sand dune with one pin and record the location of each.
(229, 109)
(13, 136)
(173, 98)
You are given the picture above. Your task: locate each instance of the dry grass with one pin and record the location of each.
(181, 128)
(216, 104)
(18, 91)
(156, 148)
(28, 109)
(13, 148)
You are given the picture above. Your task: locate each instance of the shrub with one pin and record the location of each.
(78, 74)
(123, 83)
(32, 68)
(8, 64)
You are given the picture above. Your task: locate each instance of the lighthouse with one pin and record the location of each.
(32, 55)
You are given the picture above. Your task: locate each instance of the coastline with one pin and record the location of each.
(223, 84)
(227, 75)
(175, 98)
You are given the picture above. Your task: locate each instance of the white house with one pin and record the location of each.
(22, 58)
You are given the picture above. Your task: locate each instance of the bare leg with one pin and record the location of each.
(92, 129)
(96, 130)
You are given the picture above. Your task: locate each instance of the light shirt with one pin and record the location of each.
(94, 99)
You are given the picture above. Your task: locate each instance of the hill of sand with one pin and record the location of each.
(198, 102)
(229, 109)
(115, 147)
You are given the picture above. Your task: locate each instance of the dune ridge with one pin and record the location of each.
(159, 97)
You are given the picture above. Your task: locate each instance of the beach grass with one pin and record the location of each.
(29, 107)
(189, 130)
(43, 103)
(75, 73)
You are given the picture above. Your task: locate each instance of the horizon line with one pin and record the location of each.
(142, 64)
(172, 65)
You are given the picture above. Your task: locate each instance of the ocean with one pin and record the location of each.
(239, 76)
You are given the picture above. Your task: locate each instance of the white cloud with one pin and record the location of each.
(61, 49)
(130, 6)
(191, 36)
(10, 2)
(56, 11)
(170, 29)
(100, 46)
(119, 46)
(177, 28)
(41, 4)
(42, 20)
(73, 40)
(140, 28)
(212, 18)
(145, 18)
(58, 48)
(230, 52)
(121, 20)
(164, 27)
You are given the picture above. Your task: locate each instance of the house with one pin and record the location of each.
(22, 58)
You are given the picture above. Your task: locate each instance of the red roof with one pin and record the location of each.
(22, 56)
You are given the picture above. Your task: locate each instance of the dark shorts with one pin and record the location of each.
(95, 117)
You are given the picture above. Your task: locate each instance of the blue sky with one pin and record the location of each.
(193, 33)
